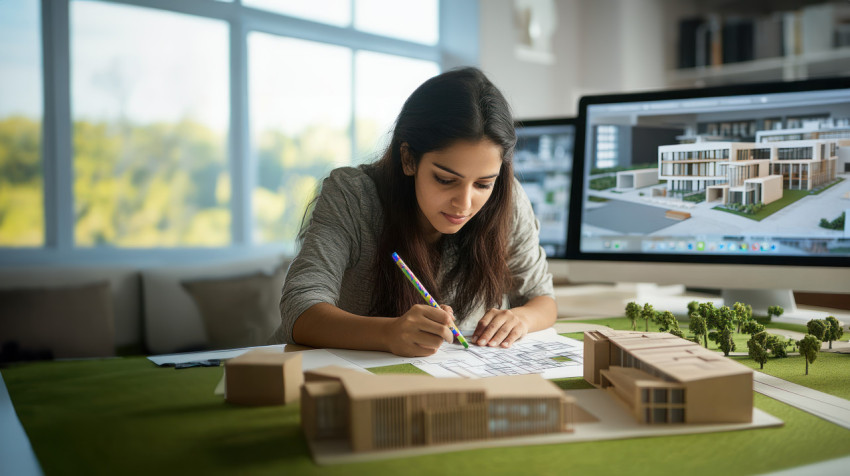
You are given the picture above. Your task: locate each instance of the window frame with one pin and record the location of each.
(457, 46)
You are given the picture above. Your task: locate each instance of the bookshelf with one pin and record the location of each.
(733, 41)
(835, 62)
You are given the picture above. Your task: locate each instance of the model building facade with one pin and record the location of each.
(662, 378)
(748, 172)
(375, 412)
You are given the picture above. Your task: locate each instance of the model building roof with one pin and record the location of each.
(266, 357)
(361, 385)
(680, 359)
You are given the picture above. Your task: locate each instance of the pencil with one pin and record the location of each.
(426, 295)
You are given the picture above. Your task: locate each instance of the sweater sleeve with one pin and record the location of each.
(330, 245)
(527, 259)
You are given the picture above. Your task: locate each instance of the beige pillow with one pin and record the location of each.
(240, 311)
(71, 322)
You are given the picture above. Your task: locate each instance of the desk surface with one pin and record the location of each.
(127, 416)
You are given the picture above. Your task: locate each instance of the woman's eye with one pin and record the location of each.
(442, 181)
(484, 186)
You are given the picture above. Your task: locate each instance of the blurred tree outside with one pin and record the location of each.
(161, 184)
(21, 182)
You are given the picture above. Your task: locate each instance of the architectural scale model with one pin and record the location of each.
(260, 377)
(662, 378)
(749, 172)
(377, 412)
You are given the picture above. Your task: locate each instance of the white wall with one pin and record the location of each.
(600, 46)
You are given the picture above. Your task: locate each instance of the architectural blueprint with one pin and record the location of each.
(544, 353)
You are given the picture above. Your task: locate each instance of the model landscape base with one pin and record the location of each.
(615, 422)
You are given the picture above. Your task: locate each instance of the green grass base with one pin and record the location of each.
(127, 416)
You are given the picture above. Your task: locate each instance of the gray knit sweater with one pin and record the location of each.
(334, 264)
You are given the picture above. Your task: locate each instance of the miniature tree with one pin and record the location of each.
(632, 313)
(833, 330)
(667, 322)
(741, 316)
(817, 328)
(776, 346)
(752, 328)
(709, 313)
(725, 328)
(647, 314)
(756, 348)
(809, 348)
(696, 324)
(774, 311)
(693, 306)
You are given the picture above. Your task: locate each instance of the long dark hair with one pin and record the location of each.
(459, 105)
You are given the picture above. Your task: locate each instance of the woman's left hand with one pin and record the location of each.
(499, 328)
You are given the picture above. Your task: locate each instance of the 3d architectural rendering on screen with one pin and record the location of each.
(662, 378)
(374, 412)
(749, 172)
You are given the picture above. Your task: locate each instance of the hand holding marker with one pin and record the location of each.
(426, 295)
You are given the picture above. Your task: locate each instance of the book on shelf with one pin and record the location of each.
(714, 39)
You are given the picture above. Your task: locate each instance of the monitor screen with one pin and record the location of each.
(754, 174)
(543, 162)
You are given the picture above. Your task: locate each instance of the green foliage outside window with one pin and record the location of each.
(21, 183)
(161, 184)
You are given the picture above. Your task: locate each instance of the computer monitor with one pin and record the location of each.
(733, 188)
(543, 162)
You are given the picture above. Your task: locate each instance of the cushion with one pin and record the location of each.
(172, 319)
(124, 286)
(241, 311)
(69, 322)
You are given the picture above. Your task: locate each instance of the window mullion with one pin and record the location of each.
(241, 160)
(57, 152)
(353, 111)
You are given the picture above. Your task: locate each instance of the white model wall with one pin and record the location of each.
(600, 46)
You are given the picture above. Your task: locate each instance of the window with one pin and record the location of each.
(382, 83)
(21, 178)
(150, 121)
(606, 147)
(332, 12)
(200, 124)
(413, 20)
(299, 126)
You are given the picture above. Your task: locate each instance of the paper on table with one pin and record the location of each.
(171, 359)
(545, 353)
(539, 345)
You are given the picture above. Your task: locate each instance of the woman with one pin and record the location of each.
(444, 197)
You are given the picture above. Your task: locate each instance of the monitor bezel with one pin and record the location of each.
(556, 121)
(576, 204)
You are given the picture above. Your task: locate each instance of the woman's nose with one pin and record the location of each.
(463, 199)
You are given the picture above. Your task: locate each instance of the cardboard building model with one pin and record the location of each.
(662, 378)
(375, 412)
(262, 377)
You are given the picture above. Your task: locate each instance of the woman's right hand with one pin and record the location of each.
(420, 331)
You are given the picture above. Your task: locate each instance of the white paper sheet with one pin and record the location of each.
(224, 354)
(310, 359)
(545, 353)
(532, 354)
